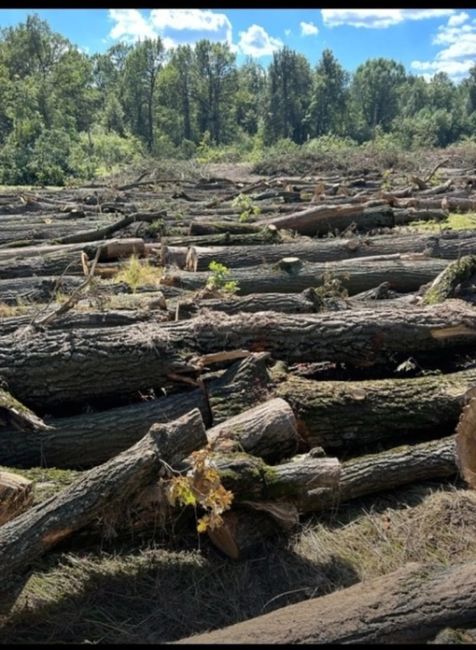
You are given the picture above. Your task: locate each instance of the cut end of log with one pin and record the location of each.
(16, 495)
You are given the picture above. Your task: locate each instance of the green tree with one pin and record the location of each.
(288, 97)
(329, 97)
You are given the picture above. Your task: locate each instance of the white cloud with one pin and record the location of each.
(256, 41)
(170, 24)
(130, 25)
(199, 20)
(308, 29)
(458, 19)
(378, 18)
(459, 53)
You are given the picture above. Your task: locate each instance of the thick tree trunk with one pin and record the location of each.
(18, 291)
(347, 414)
(107, 231)
(261, 238)
(409, 605)
(329, 250)
(95, 493)
(221, 227)
(267, 430)
(111, 249)
(384, 471)
(403, 273)
(92, 364)
(85, 440)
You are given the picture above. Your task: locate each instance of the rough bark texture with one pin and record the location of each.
(409, 605)
(31, 534)
(16, 291)
(91, 438)
(267, 430)
(221, 227)
(446, 283)
(447, 245)
(346, 414)
(385, 471)
(402, 273)
(327, 218)
(92, 363)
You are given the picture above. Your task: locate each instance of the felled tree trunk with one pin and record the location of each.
(220, 227)
(91, 364)
(107, 231)
(386, 470)
(326, 218)
(404, 273)
(16, 291)
(347, 414)
(102, 489)
(409, 605)
(268, 430)
(329, 250)
(92, 438)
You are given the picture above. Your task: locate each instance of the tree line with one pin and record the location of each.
(64, 113)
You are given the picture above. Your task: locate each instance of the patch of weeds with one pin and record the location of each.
(454, 221)
(331, 286)
(136, 273)
(218, 280)
(247, 207)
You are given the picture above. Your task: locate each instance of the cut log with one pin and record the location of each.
(16, 495)
(287, 303)
(111, 249)
(449, 245)
(387, 470)
(263, 237)
(220, 227)
(91, 364)
(21, 291)
(326, 218)
(267, 430)
(446, 284)
(16, 415)
(107, 231)
(403, 273)
(96, 492)
(347, 414)
(409, 605)
(251, 479)
(89, 439)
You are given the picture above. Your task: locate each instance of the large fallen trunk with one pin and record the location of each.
(322, 219)
(92, 364)
(95, 493)
(262, 237)
(221, 227)
(21, 291)
(403, 273)
(85, 440)
(347, 414)
(107, 231)
(446, 284)
(387, 470)
(409, 605)
(446, 245)
(110, 249)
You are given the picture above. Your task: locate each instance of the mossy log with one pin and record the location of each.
(88, 439)
(96, 493)
(384, 471)
(91, 364)
(446, 283)
(409, 605)
(403, 272)
(347, 414)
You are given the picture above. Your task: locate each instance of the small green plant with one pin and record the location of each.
(245, 203)
(217, 281)
(201, 486)
(386, 185)
(137, 273)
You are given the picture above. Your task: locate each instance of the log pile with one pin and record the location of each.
(327, 354)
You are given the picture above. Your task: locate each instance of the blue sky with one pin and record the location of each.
(424, 40)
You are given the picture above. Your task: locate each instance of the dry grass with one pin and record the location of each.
(138, 273)
(158, 591)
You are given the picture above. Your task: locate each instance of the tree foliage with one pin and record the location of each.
(64, 113)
